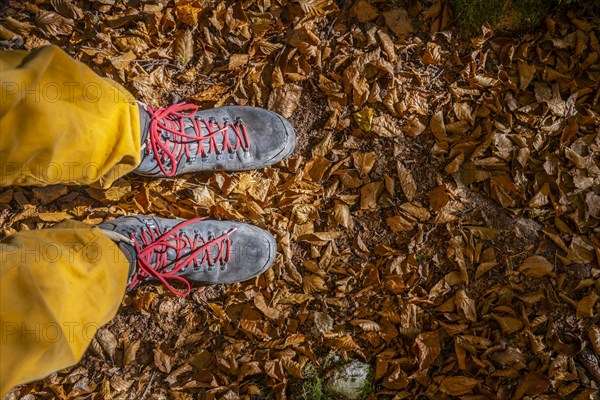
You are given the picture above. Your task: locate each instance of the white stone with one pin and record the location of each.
(350, 381)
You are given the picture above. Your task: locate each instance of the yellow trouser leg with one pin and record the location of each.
(57, 286)
(62, 123)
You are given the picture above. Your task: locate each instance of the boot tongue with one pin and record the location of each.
(129, 252)
(144, 123)
(126, 247)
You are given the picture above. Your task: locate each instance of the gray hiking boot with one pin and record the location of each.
(180, 139)
(201, 250)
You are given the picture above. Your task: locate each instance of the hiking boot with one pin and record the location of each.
(200, 250)
(180, 139)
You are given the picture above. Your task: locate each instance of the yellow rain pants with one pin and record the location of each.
(60, 123)
(57, 287)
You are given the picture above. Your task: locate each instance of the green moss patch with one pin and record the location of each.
(503, 15)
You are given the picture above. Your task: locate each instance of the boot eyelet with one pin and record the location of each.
(151, 225)
(220, 156)
(223, 267)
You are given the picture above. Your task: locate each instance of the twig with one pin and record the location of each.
(145, 392)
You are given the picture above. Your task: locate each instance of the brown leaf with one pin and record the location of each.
(187, 13)
(305, 212)
(344, 343)
(236, 61)
(467, 305)
(364, 162)
(532, 384)
(67, 9)
(537, 267)
(594, 336)
(485, 267)
(413, 127)
(320, 237)
(341, 213)
(163, 361)
(108, 341)
(398, 223)
(483, 233)
(323, 322)
(184, 47)
(407, 183)
(269, 312)
(285, 99)
(458, 385)
(53, 24)
(384, 126)
(585, 307)
(369, 194)
(364, 11)
(432, 54)
(313, 283)
(324, 146)
(366, 325)
(118, 190)
(131, 350)
(427, 348)
(438, 198)
(398, 21)
(508, 324)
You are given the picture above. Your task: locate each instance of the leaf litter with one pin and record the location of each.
(438, 219)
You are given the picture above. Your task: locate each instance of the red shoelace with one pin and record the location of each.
(171, 147)
(152, 249)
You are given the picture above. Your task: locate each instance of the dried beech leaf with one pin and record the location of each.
(163, 361)
(369, 194)
(108, 341)
(427, 348)
(398, 21)
(432, 54)
(384, 126)
(285, 99)
(341, 213)
(313, 283)
(131, 350)
(407, 183)
(364, 11)
(458, 385)
(184, 47)
(366, 325)
(399, 224)
(323, 322)
(508, 324)
(585, 307)
(483, 233)
(467, 305)
(537, 267)
(344, 343)
(364, 162)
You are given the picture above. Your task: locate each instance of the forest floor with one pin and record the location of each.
(439, 218)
